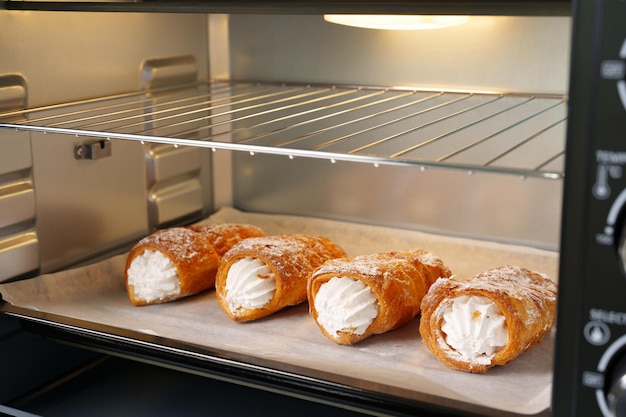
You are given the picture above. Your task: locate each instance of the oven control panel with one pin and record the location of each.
(590, 359)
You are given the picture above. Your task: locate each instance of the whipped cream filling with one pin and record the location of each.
(345, 305)
(153, 276)
(250, 284)
(475, 328)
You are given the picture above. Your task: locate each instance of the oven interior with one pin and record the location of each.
(146, 115)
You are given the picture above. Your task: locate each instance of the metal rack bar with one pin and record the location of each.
(560, 154)
(530, 138)
(326, 116)
(169, 106)
(262, 112)
(495, 134)
(295, 114)
(434, 107)
(276, 98)
(315, 110)
(413, 129)
(339, 123)
(136, 99)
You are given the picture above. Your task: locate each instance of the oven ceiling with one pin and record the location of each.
(448, 7)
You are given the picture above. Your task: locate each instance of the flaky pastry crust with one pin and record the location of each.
(527, 300)
(399, 280)
(291, 259)
(224, 236)
(193, 256)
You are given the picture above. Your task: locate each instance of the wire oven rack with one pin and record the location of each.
(505, 133)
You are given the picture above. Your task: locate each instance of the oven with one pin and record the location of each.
(491, 137)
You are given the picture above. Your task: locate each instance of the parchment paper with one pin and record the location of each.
(96, 293)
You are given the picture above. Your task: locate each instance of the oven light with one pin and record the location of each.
(396, 22)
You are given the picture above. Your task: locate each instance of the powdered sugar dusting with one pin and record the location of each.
(224, 236)
(378, 263)
(305, 251)
(535, 291)
(184, 242)
(365, 265)
(514, 280)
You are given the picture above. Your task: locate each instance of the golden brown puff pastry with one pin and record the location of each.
(490, 319)
(352, 299)
(224, 236)
(170, 264)
(260, 276)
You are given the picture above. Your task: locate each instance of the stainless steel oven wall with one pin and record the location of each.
(85, 207)
(493, 53)
(18, 237)
(506, 54)
(483, 205)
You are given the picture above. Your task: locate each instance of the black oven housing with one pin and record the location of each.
(590, 324)
(592, 281)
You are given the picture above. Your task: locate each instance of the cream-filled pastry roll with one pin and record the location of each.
(224, 236)
(490, 319)
(352, 299)
(170, 264)
(262, 275)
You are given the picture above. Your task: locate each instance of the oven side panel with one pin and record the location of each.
(57, 210)
(74, 55)
(86, 207)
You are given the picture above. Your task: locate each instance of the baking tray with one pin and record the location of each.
(391, 374)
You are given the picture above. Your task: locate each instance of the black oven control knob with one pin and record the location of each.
(610, 378)
(616, 390)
